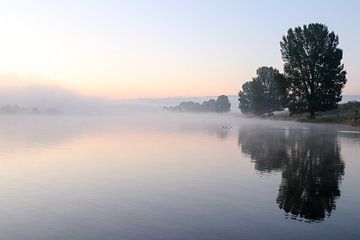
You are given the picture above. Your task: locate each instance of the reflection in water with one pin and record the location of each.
(222, 133)
(127, 177)
(266, 148)
(311, 167)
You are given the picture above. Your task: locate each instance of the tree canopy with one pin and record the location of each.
(313, 68)
(222, 104)
(266, 93)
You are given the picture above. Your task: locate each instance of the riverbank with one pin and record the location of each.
(320, 118)
(345, 114)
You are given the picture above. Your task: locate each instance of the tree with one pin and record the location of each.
(209, 106)
(222, 104)
(313, 68)
(266, 93)
(245, 98)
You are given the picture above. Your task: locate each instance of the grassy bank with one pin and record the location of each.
(347, 113)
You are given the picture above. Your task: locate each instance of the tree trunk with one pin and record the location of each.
(312, 113)
(312, 105)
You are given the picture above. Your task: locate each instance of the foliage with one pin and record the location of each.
(313, 68)
(266, 93)
(222, 104)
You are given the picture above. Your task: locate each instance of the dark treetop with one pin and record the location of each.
(266, 93)
(313, 68)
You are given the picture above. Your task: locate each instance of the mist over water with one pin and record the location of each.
(161, 175)
(59, 101)
(151, 120)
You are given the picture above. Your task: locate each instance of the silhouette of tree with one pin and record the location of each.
(266, 93)
(245, 98)
(209, 106)
(311, 167)
(222, 104)
(312, 66)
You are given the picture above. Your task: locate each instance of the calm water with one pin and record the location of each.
(176, 177)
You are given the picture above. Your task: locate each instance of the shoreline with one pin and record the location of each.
(353, 122)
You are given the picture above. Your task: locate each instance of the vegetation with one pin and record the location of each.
(347, 113)
(15, 109)
(313, 75)
(312, 66)
(220, 105)
(266, 93)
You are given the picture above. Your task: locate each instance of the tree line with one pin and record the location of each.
(220, 105)
(312, 80)
(15, 109)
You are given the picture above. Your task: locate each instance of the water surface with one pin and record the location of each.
(176, 177)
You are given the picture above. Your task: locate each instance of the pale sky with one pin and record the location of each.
(136, 49)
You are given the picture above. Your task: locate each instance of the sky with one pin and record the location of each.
(154, 49)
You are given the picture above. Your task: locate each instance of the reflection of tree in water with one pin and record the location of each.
(311, 168)
(266, 148)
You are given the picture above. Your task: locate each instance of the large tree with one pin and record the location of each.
(266, 93)
(313, 68)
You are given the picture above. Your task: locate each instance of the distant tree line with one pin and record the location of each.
(15, 109)
(220, 105)
(313, 76)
